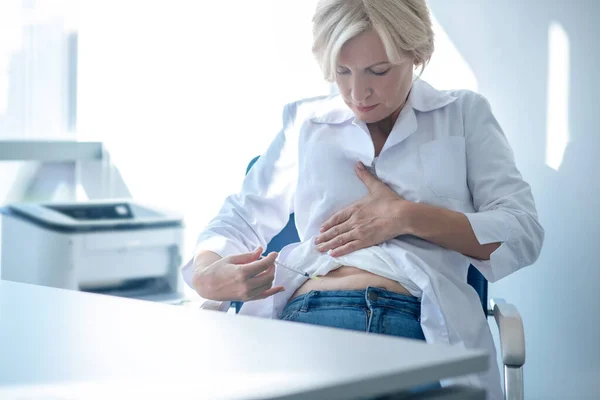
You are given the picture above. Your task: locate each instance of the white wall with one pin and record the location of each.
(506, 44)
(35, 91)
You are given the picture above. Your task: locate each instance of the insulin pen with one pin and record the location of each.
(282, 265)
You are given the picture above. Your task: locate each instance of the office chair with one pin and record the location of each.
(508, 319)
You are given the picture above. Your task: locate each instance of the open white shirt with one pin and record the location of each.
(445, 149)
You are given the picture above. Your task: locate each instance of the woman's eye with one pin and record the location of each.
(378, 73)
(343, 72)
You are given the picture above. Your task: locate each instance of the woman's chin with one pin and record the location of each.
(368, 117)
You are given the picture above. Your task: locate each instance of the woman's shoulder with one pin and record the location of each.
(320, 109)
(315, 106)
(425, 97)
(468, 97)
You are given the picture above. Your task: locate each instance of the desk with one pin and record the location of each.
(73, 345)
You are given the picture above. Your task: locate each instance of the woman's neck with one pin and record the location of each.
(384, 127)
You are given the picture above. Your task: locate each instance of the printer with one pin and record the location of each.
(111, 247)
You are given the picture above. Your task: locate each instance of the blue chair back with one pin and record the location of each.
(289, 234)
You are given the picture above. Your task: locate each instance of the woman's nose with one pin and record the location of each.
(360, 90)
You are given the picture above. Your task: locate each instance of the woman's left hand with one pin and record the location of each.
(372, 220)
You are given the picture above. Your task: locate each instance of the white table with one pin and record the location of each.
(64, 344)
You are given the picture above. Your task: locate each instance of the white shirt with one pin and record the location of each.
(445, 149)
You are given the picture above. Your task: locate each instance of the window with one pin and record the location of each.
(184, 94)
(37, 85)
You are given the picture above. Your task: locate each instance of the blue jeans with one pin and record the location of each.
(373, 310)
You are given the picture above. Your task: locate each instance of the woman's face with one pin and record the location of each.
(371, 86)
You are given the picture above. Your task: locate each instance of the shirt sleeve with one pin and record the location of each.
(504, 204)
(263, 206)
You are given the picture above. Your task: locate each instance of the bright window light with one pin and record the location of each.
(557, 114)
(184, 94)
(448, 69)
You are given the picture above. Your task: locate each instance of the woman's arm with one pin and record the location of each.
(226, 264)
(383, 215)
(446, 228)
(205, 258)
(502, 235)
(505, 210)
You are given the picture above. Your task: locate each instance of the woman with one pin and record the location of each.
(396, 188)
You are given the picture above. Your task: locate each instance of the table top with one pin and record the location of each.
(75, 345)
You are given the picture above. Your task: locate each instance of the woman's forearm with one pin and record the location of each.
(204, 258)
(446, 228)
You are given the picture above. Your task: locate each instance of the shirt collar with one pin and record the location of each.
(423, 97)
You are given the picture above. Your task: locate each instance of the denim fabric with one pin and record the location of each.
(370, 310)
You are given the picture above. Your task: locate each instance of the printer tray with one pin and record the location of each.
(134, 288)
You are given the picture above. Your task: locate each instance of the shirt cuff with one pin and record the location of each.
(490, 226)
(496, 226)
(220, 245)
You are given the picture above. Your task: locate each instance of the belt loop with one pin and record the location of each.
(306, 300)
(368, 290)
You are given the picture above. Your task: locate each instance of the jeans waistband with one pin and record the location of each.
(369, 297)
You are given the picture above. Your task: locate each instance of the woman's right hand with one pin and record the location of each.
(242, 277)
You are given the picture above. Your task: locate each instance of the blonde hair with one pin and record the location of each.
(404, 27)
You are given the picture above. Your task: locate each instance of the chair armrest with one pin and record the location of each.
(512, 334)
(204, 304)
(213, 305)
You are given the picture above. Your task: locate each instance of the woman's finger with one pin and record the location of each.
(256, 267)
(256, 291)
(333, 232)
(264, 278)
(268, 293)
(337, 218)
(245, 257)
(336, 242)
(348, 248)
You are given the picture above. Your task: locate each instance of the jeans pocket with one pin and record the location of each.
(288, 315)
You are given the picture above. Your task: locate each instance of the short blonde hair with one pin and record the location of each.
(404, 27)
